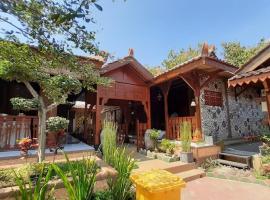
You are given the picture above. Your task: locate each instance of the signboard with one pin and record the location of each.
(213, 98)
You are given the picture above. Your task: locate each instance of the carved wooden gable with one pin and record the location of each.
(128, 85)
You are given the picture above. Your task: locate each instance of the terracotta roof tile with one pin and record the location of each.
(251, 73)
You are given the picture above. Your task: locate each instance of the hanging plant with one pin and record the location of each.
(24, 104)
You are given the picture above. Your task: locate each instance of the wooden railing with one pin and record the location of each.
(13, 128)
(174, 126)
(140, 129)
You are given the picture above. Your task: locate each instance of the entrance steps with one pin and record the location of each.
(235, 141)
(191, 175)
(186, 171)
(240, 159)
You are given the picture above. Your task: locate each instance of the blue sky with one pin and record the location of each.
(153, 27)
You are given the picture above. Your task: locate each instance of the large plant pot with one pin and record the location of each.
(208, 139)
(186, 157)
(51, 139)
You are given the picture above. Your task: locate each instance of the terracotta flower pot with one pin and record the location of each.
(54, 139)
(51, 140)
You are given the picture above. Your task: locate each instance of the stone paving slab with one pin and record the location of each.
(208, 188)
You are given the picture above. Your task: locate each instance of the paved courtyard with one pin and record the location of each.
(220, 189)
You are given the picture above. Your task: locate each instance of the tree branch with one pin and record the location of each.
(31, 89)
(18, 28)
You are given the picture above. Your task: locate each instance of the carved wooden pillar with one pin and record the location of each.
(266, 85)
(85, 116)
(98, 122)
(147, 112)
(193, 80)
(197, 94)
(165, 88)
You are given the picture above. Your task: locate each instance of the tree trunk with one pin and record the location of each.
(42, 133)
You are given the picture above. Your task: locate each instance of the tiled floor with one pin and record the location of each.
(67, 148)
(219, 189)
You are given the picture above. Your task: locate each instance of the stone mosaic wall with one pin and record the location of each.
(214, 118)
(244, 113)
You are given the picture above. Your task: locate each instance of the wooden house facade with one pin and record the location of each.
(196, 91)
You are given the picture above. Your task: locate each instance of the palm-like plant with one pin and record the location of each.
(37, 191)
(83, 178)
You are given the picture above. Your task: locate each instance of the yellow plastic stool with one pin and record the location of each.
(157, 185)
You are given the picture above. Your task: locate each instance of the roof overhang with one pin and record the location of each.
(255, 76)
(256, 60)
(204, 64)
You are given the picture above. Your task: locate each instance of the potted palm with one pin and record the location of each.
(185, 135)
(56, 130)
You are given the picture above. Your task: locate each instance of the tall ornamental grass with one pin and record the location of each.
(117, 157)
(83, 179)
(185, 135)
(108, 140)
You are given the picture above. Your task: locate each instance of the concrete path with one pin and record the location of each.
(220, 189)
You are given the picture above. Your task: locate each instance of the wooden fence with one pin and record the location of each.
(174, 126)
(13, 128)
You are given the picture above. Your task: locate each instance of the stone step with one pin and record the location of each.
(235, 141)
(232, 163)
(191, 175)
(181, 168)
(173, 167)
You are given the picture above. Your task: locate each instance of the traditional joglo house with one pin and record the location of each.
(196, 91)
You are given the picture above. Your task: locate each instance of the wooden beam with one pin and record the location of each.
(211, 76)
(193, 80)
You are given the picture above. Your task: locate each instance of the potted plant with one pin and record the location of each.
(197, 136)
(56, 130)
(167, 146)
(185, 130)
(154, 135)
(25, 144)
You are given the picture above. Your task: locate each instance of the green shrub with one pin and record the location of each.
(19, 103)
(55, 124)
(265, 132)
(167, 146)
(154, 135)
(37, 191)
(209, 164)
(266, 159)
(186, 136)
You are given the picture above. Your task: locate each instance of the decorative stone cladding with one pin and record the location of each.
(245, 113)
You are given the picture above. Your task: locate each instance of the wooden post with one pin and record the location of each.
(147, 111)
(193, 80)
(98, 125)
(198, 111)
(165, 88)
(266, 85)
(85, 117)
